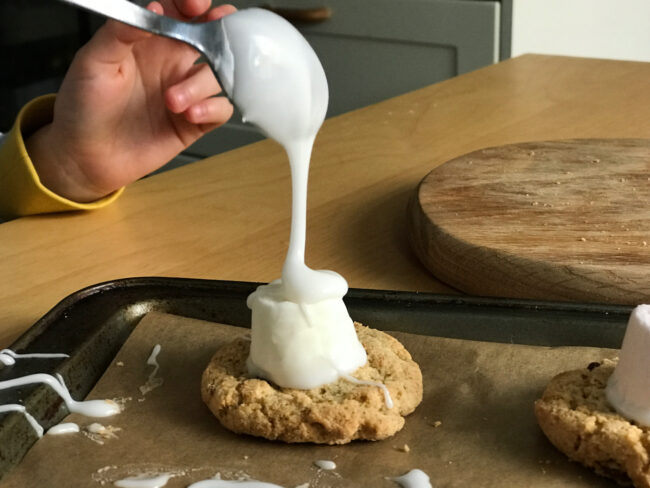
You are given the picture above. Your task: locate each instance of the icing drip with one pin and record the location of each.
(19, 408)
(8, 357)
(66, 428)
(144, 481)
(387, 398)
(152, 382)
(90, 408)
(232, 484)
(325, 464)
(413, 479)
(628, 388)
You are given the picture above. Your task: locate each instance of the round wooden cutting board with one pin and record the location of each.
(556, 220)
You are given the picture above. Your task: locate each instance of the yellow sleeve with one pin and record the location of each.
(21, 191)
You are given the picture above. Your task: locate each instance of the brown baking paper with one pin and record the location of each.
(475, 426)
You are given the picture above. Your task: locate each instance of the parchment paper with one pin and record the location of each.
(482, 393)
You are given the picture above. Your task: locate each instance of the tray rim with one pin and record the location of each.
(107, 334)
(73, 298)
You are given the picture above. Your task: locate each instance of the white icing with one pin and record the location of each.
(64, 428)
(96, 428)
(152, 381)
(325, 464)
(413, 479)
(21, 409)
(388, 400)
(90, 408)
(232, 484)
(628, 388)
(8, 357)
(144, 481)
(302, 335)
(96, 432)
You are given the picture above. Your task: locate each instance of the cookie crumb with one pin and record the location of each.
(119, 363)
(436, 424)
(583, 239)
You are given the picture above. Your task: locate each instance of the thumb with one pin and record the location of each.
(114, 41)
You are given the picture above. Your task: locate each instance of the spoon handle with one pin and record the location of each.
(136, 16)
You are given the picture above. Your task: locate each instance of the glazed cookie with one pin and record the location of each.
(577, 419)
(336, 413)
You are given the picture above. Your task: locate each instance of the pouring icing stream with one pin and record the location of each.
(302, 335)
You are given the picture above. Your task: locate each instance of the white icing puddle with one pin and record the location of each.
(387, 397)
(325, 464)
(65, 428)
(19, 408)
(153, 381)
(144, 481)
(232, 484)
(415, 478)
(8, 357)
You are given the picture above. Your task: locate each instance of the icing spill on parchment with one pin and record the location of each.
(64, 428)
(628, 388)
(90, 408)
(153, 381)
(144, 481)
(415, 478)
(21, 409)
(232, 484)
(325, 464)
(8, 357)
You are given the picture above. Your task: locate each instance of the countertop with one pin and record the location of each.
(227, 217)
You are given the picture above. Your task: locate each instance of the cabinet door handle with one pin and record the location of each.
(313, 15)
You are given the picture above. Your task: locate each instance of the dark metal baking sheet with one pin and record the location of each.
(92, 324)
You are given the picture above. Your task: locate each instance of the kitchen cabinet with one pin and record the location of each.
(376, 49)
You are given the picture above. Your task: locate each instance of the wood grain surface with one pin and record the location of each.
(227, 217)
(566, 220)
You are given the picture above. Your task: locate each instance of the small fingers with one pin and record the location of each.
(200, 84)
(191, 8)
(211, 112)
(218, 12)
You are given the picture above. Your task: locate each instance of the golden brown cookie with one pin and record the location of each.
(336, 413)
(577, 419)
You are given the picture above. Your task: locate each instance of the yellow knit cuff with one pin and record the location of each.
(21, 191)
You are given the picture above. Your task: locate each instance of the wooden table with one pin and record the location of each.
(228, 217)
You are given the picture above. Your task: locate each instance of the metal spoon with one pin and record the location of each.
(207, 38)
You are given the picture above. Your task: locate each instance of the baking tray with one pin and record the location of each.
(92, 324)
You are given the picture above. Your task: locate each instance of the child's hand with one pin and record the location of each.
(129, 103)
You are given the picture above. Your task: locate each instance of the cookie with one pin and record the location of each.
(336, 413)
(577, 419)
